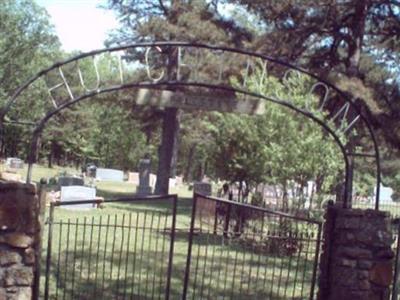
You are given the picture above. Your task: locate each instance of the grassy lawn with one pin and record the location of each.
(105, 189)
(121, 251)
(40, 171)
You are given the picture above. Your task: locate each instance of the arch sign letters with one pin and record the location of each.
(190, 76)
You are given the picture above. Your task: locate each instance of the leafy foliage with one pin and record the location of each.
(279, 147)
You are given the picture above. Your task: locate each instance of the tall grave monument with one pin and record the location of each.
(144, 187)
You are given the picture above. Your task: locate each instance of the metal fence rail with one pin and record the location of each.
(238, 251)
(111, 256)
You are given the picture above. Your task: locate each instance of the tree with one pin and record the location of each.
(354, 44)
(104, 129)
(146, 20)
(279, 147)
(27, 44)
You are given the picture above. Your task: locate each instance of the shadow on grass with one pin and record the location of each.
(139, 271)
(131, 263)
(210, 278)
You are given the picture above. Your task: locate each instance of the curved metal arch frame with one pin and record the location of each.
(40, 126)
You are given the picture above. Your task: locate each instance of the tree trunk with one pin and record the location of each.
(169, 132)
(2, 140)
(187, 176)
(51, 154)
(174, 160)
(352, 69)
(355, 44)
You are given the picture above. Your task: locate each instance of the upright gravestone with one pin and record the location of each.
(109, 175)
(69, 180)
(202, 188)
(133, 177)
(172, 183)
(14, 163)
(74, 193)
(144, 188)
(385, 195)
(153, 180)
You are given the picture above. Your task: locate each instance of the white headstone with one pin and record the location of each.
(153, 179)
(14, 163)
(179, 180)
(77, 192)
(109, 175)
(385, 195)
(172, 183)
(133, 177)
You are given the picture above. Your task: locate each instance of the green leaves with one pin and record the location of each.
(278, 147)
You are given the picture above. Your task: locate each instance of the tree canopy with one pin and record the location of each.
(353, 44)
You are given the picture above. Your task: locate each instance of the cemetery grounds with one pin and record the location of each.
(91, 254)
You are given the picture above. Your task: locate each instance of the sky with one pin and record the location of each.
(80, 24)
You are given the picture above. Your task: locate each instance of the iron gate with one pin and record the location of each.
(92, 255)
(238, 251)
(396, 268)
(235, 251)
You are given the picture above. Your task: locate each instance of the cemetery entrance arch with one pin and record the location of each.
(171, 74)
(190, 75)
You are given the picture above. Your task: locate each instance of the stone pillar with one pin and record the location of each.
(356, 260)
(19, 243)
(144, 187)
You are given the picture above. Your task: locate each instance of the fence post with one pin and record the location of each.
(39, 236)
(227, 219)
(19, 212)
(357, 261)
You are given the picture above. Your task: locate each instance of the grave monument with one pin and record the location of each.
(144, 187)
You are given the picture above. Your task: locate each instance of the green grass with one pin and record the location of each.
(105, 189)
(120, 251)
(40, 171)
(127, 257)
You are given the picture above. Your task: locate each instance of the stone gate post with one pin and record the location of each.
(19, 242)
(356, 260)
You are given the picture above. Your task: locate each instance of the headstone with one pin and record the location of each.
(133, 177)
(153, 180)
(73, 193)
(109, 175)
(70, 180)
(202, 188)
(172, 183)
(144, 187)
(14, 163)
(179, 180)
(91, 170)
(385, 195)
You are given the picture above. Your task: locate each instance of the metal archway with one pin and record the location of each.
(183, 65)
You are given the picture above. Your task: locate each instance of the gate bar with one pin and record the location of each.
(49, 248)
(189, 255)
(316, 259)
(395, 289)
(171, 247)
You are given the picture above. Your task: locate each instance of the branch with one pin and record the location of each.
(164, 9)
